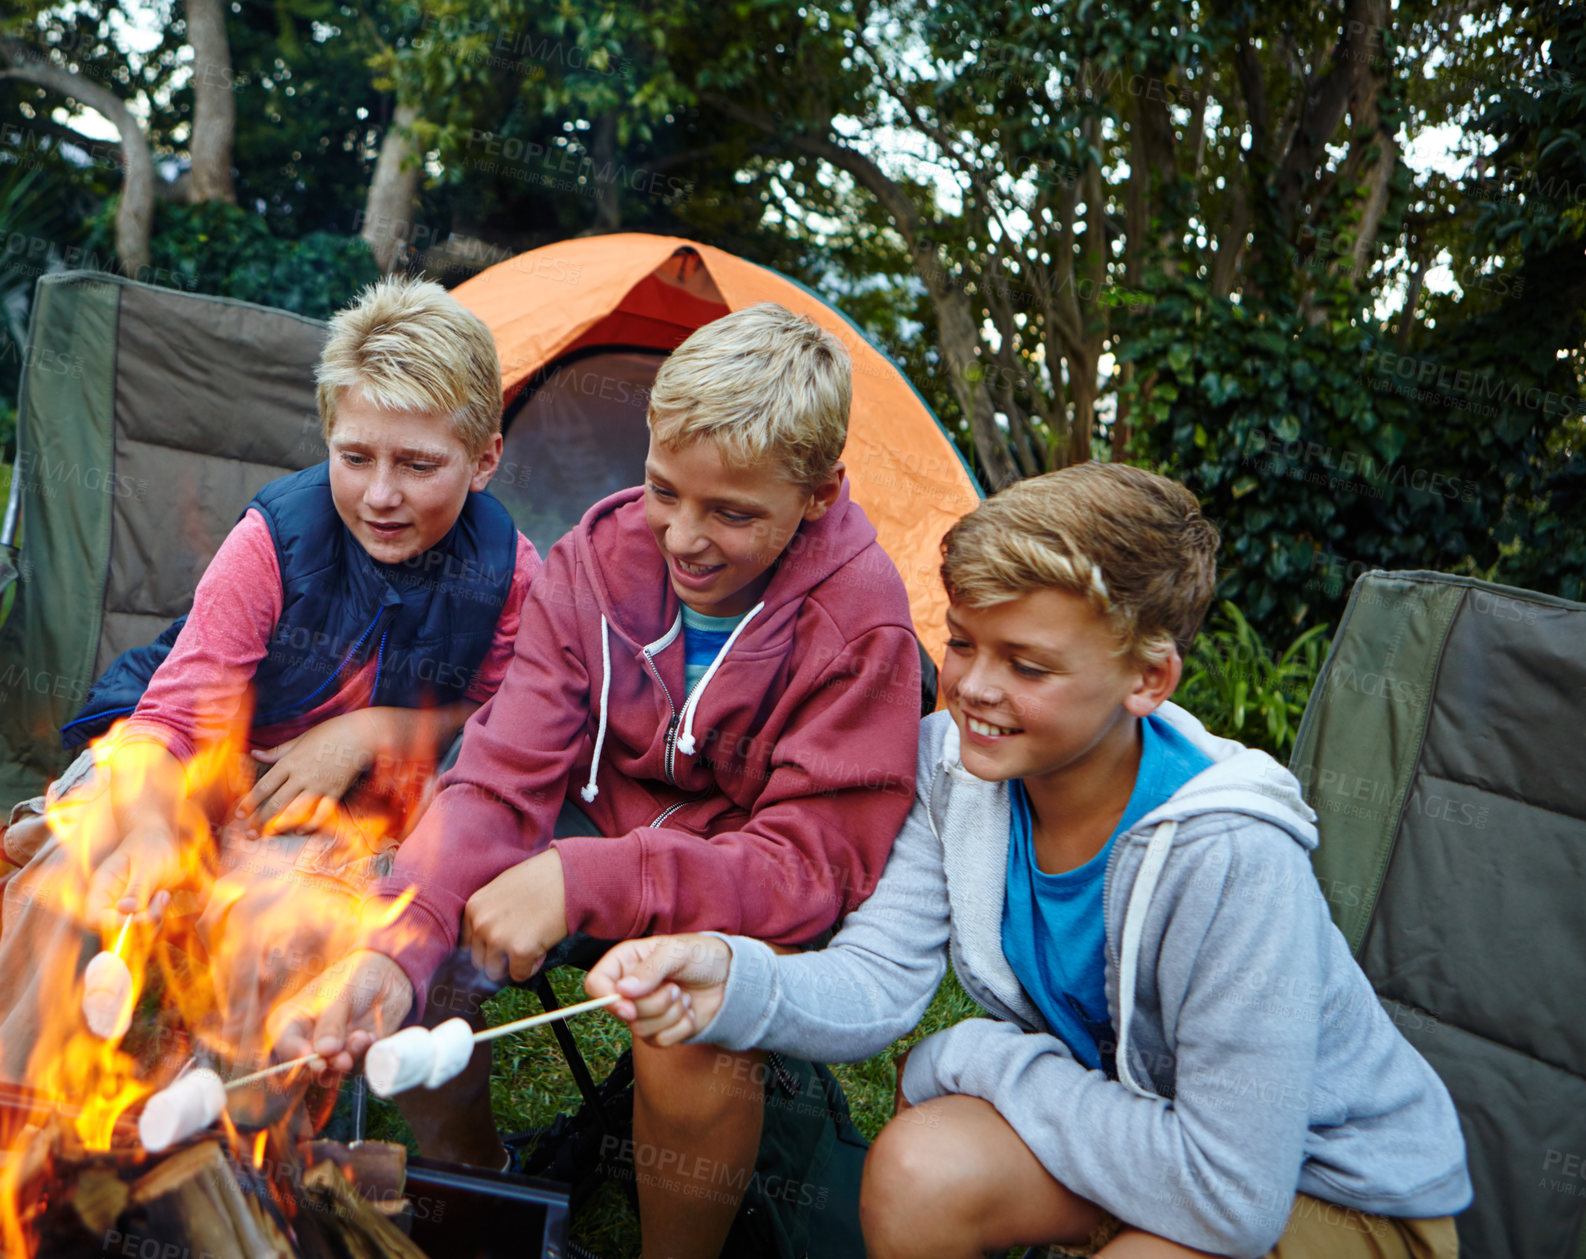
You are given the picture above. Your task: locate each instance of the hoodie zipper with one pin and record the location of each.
(670, 744)
(668, 811)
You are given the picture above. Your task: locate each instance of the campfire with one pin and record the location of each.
(163, 1002)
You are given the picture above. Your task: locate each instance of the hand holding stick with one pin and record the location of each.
(421, 1055)
(414, 1056)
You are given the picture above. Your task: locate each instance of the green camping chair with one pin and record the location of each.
(148, 419)
(1442, 750)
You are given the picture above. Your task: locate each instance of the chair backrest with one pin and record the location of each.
(1444, 750)
(148, 419)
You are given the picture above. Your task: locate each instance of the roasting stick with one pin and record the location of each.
(291, 1064)
(490, 1033)
(432, 1056)
(413, 1056)
(121, 936)
(550, 1016)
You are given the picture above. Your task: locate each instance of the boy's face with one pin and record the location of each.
(720, 527)
(399, 478)
(1036, 689)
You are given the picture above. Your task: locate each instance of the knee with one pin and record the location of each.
(912, 1185)
(24, 837)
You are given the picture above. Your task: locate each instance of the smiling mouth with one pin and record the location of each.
(985, 728)
(696, 570)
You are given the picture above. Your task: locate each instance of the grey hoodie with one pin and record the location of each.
(1252, 1053)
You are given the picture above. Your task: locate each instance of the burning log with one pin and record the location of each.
(377, 1168)
(364, 1233)
(194, 1196)
(199, 1203)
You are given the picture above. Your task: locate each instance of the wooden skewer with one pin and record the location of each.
(280, 1067)
(490, 1033)
(550, 1016)
(121, 939)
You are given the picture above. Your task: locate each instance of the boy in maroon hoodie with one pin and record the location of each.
(718, 668)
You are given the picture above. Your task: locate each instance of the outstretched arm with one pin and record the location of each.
(842, 1004)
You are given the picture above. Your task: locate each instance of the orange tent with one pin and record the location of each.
(581, 326)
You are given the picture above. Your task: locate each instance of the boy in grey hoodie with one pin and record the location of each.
(1181, 1057)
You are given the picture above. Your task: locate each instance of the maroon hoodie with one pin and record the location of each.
(764, 803)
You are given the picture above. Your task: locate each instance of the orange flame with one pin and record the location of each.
(254, 920)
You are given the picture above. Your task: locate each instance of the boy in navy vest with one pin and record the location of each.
(352, 620)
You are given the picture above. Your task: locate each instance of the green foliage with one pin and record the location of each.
(224, 250)
(309, 118)
(1325, 444)
(1302, 450)
(1234, 684)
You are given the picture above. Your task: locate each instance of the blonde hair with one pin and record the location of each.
(410, 346)
(765, 384)
(1131, 542)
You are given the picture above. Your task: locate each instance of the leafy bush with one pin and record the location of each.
(1239, 690)
(1313, 466)
(230, 252)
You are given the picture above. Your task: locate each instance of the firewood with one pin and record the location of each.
(38, 1158)
(194, 1196)
(364, 1232)
(98, 1197)
(379, 1168)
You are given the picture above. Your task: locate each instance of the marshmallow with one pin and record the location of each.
(107, 996)
(400, 1062)
(190, 1105)
(454, 1046)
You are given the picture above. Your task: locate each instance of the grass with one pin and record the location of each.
(531, 1084)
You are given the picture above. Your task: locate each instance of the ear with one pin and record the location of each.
(486, 464)
(1156, 682)
(825, 494)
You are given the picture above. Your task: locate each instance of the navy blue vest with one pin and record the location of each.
(429, 620)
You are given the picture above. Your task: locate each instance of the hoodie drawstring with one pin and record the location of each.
(590, 790)
(1133, 929)
(685, 745)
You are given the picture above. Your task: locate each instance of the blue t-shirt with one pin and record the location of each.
(1054, 931)
(703, 638)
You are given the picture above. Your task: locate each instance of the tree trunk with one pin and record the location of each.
(388, 212)
(1231, 241)
(1082, 389)
(136, 213)
(955, 318)
(603, 149)
(214, 102)
(1411, 296)
(1349, 79)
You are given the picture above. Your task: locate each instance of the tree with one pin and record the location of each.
(214, 102)
(56, 65)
